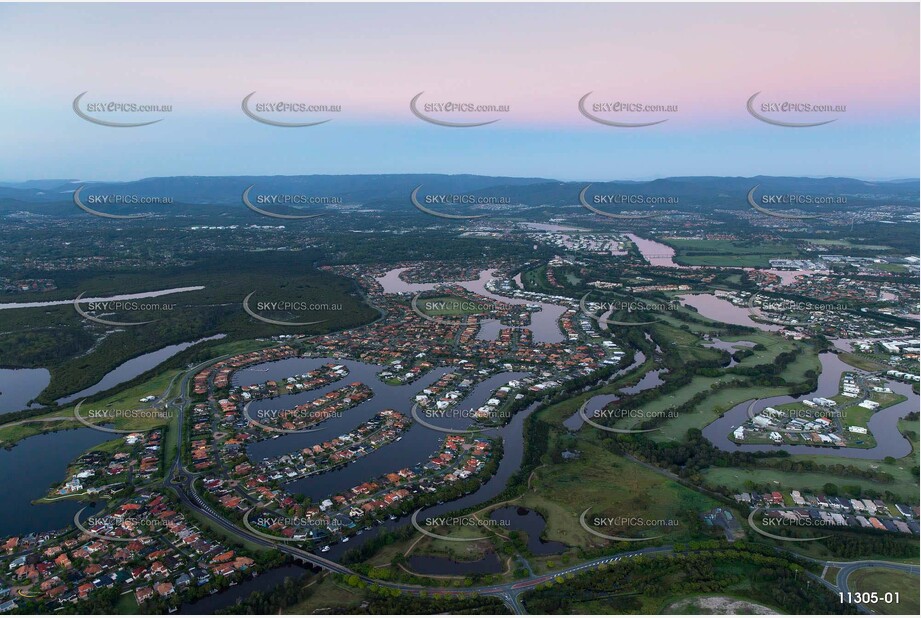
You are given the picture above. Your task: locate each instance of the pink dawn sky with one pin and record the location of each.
(538, 59)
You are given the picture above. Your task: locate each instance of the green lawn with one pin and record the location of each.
(882, 581)
(128, 399)
(741, 253)
(612, 486)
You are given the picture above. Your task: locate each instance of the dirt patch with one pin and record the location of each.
(717, 605)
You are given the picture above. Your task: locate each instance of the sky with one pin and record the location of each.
(702, 62)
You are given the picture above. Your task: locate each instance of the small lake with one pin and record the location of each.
(131, 369)
(721, 310)
(729, 346)
(29, 469)
(440, 565)
(532, 524)
(652, 379)
(20, 386)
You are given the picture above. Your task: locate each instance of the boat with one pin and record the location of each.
(345, 539)
(325, 548)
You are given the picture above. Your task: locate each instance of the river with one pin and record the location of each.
(721, 310)
(230, 596)
(656, 253)
(101, 299)
(598, 402)
(544, 323)
(20, 386)
(29, 469)
(134, 367)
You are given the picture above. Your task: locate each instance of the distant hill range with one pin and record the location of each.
(195, 194)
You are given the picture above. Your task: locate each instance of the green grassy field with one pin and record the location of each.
(888, 268)
(700, 252)
(882, 581)
(829, 242)
(536, 280)
(327, 595)
(811, 482)
(129, 399)
(611, 486)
